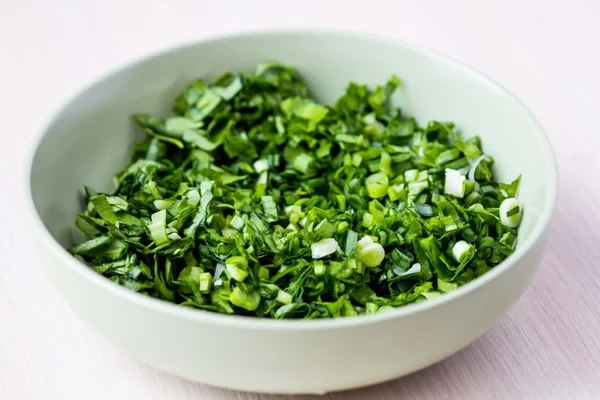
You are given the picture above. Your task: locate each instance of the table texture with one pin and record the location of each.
(546, 52)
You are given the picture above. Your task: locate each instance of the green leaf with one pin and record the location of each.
(378, 100)
(104, 209)
(311, 112)
(511, 189)
(229, 85)
(196, 138)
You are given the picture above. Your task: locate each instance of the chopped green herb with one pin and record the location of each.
(255, 199)
(513, 211)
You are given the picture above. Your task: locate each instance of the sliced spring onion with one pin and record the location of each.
(377, 185)
(205, 282)
(460, 250)
(237, 267)
(411, 175)
(455, 183)
(319, 268)
(511, 212)
(473, 168)
(158, 228)
(246, 299)
(303, 162)
(369, 252)
(284, 297)
(261, 165)
(324, 247)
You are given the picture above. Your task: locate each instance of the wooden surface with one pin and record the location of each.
(547, 52)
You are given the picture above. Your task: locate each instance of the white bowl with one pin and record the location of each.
(90, 138)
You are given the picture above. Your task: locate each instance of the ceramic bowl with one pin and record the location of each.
(90, 137)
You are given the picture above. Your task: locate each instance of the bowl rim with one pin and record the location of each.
(248, 322)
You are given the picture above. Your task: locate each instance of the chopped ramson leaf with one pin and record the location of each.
(255, 199)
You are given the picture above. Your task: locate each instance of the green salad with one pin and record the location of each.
(255, 199)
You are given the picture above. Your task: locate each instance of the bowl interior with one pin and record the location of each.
(91, 137)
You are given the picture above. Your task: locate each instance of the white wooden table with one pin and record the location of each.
(547, 52)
